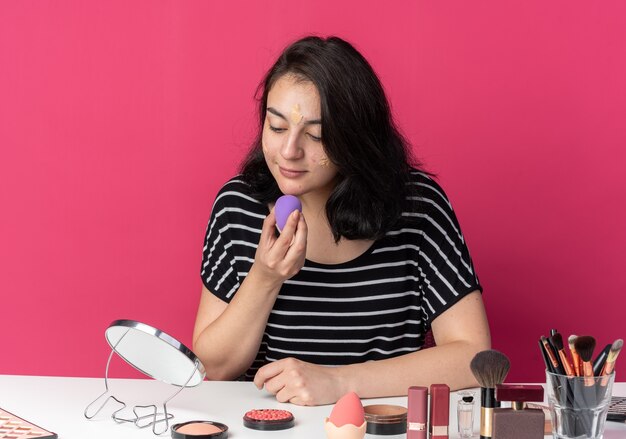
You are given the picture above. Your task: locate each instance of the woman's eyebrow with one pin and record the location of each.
(275, 112)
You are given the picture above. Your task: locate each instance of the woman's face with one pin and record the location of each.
(292, 143)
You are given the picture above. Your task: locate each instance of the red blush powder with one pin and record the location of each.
(268, 419)
(269, 415)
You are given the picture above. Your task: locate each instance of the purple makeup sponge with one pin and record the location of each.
(283, 208)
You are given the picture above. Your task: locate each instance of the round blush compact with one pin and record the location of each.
(200, 430)
(385, 419)
(268, 419)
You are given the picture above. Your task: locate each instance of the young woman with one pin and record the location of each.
(342, 298)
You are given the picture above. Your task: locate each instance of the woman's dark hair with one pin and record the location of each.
(358, 134)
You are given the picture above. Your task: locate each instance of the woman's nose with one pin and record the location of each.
(291, 149)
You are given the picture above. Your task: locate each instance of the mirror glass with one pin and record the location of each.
(155, 353)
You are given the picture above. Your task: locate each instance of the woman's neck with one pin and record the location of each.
(321, 245)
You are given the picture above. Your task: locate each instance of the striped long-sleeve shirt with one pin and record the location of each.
(378, 305)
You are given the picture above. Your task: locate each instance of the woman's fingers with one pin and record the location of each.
(297, 249)
(280, 258)
(267, 372)
(283, 242)
(267, 233)
(299, 382)
(288, 232)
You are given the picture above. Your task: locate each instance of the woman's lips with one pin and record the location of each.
(290, 173)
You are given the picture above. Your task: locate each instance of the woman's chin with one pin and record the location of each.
(289, 188)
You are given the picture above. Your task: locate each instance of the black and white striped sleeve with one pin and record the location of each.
(218, 271)
(446, 267)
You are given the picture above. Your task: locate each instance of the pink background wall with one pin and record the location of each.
(119, 121)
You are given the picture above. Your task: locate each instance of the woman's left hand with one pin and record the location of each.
(299, 382)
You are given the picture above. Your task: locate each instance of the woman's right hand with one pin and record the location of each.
(280, 258)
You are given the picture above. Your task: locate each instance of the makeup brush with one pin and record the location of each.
(546, 360)
(575, 356)
(553, 356)
(557, 342)
(490, 368)
(549, 338)
(598, 363)
(609, 366)
(585, 344)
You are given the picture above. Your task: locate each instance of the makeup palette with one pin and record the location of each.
(617, 409)
(14, 427)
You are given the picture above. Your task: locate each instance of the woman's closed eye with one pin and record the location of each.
(280, 130)
(314, 138)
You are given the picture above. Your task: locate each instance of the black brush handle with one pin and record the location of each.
(559, 368)
(598, 363)
(488, 402)
(546, 360)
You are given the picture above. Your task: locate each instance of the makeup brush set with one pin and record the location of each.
(579, 363)
(579, 385)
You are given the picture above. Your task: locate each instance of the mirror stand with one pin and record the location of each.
(152, 419)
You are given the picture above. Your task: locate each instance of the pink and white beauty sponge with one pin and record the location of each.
(347, 419)
(283, 208)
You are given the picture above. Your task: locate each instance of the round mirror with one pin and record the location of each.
(155, 353)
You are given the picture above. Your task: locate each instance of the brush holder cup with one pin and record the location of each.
(578, 405)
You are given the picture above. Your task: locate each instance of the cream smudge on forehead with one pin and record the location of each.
(295, 115)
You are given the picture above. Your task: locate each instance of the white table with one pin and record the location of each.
(58, 403)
